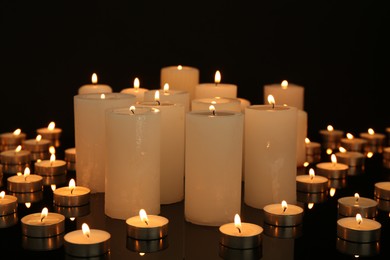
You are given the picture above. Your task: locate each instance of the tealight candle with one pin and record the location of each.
(313, 151)
(358, 229)
(25, 183)
(94, 87)
(8, 204)
(51, 133)
(44, 224)
(136, 91)
(9, 141)
(17, 156)
(351, 143)
(216, 89)
(51, 167)
(351, 205)
(240, 235)
(331, 137)
(70, 158)
(8, 220)
(333, 169)
(170, 95)
(87, 242)
(382, 190)
(229, 104)
(71, 196)
(283, 214)
(286, 93)
(375, 141)
(147, 227)
(311, 183)
(352, 159)
(38, 147)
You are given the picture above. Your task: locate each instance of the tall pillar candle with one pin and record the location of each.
(170, 95)
(172, 150)
(133, 161)
(229, 104)
(213, 166)
(183, 78)
(270, 154)
(216, 89)
(89, 116)
(301, 136)
(285, 93)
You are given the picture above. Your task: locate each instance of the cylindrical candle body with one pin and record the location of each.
(171, 96)
(79, 245)
(270, 154)
(133, 162)
(354, 144)
(367, 231)
(276, 216)
(331, 139)
(382, 190)
(301, 135)
(292, 96)
(90, 138)
(248, 237)
(332, 170)
(210, 90)
(66, 197)
(351, 159)
(350, 206)
(8, 205)
(229, 104)
(213, 167)
(52, 225)
(9, 141)
(313, 185)
(375, 142)
(180, 78)
(156, 228)
(31, 183)
(70, 159)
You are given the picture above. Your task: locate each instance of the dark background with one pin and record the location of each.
(337, 50)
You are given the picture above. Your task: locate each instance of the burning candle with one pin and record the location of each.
(353, 144)
(286, 93)
(311, 183)
(70, 159)
(358, 229)
(147, 227)
(9, 141)
(240, 235)
(350, 158)
(51, 133)
(44, 224)
(87, 242)
(375, 141)
(283, 214)
(313, 151)
(216, 89)
(94, 87)
(220, 104)
(71, 196)
(52, 167)
(16, 160)
(25, 183)
(351, 205)
(333, 169)
(8, 204)
(136, 91)
(38, 147)
(382, 190)
(331, 137)
(170, 96)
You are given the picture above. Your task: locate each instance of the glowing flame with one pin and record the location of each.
(132, 109)
(141, 254)
(53, 187)
(51, 126)
(143, 216)
(371, 131)
(329, 151)
(333, 158)
(356, 197)
(305, 164)
(27, 204)
(18, 149)
(52, 157)
(72, 185)
(311, 173)
(214, 102)
(44, 213)
(284, 205)
(332, 192)
(157, 96)
(72, 218)
(237, 222)
(38, 138)
(370, 154)
(26, 172)
(342, 149)
(212, 109)
(102, 96)
(85, 229)
(310, 205)
(179, 67)
(349, 136)
(359, 218)
(19, 174)
(271, 100)
(136, 83)
(52, 150)
(329, 128)
(307, 140)
(2, 194)
(284, 84)
(166, 88)
(17, 132)
(94, 78)
(217, 77)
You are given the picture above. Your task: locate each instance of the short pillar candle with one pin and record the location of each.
(375, 141)
(171, 96)
(353, 144)
(286, 93)
(382, 190)
(52, 167)
(10, 140)
(94, 87)
(51, 133)
(331, 138)
(136, 91)
(216, 89)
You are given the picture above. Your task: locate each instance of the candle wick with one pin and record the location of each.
(146, 222)
(284, 209)
(87, 235)
(132, 111)
(71, 191)
(42, 218)
(214, 113)
(25, 178)
(158, 102)
(273, 105)
(239, 230)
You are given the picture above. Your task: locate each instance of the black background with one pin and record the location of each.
(337, 50)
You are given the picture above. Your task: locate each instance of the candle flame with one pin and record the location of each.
(157, 96)
(237, 222)
(359, 218)
(44, 213)
(52, 150)
(166, 88)
(271, 100)
(307, 140)
(17, 132)
(342, 149)
(217, 77)
(94, 78)
(51, 126)
(136, 83)
(27, 204)
(72, 185)
(143, 216)
(53, 187)
(18, 149)
(2, 194)
(132, 109)
(330, 128)
(305, 164)
(310, 205)
(329, 151)
(333, 158)
(85, 229)
(19, 174)
(371, 131)
(284, 84)
(38, 138)
(350, 136)
(26, 172)
(72, 218)
(52, 157)
(370, 154)
(102, 96)
(212, 109)
(179, 67)
(141, 254)
(311, 173)
(356, 197)
(332, 192)
(284, 205)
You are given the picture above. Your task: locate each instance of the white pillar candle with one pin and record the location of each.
(375, 141)
(71, 196)
(25, 183)
(147, 227)
(51, 133)
(172, 150)
(87, 242)
(358, 229)
(183, 78)
(301, 136)
(213, 159)
(331, 137)
(133, 161)
(44, 224)
(244, 104)
(351, 205)
(8, 204)
(283, 214)
(94, 87)
(10, 140)
(285, 94)
(220, 104)
(170, 95)
(382, 190)
(216, 89)
(270, 154)
(136, 91)
(311, 183)
(90, 137)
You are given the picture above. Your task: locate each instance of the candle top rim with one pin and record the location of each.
(11, 135)
(132, 89)
(298, 210)
(253, 230)
(9, 198)
(184, 67)
(340, 166)
(278, 85)
(383, 185)
(316, 180)
(21, 179)
(363, 202)
(350, 154)
(96, 236)
(268, 107)
(12, 153)
(52, 218)
(70, 150)
(154, 221)
(170, 91)
(108, 96)
(366, 225)
(82, 189)
(220, 84)
(34, 141)
(155, 105)
(224, 100)
(219, 113)
(139, 111)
